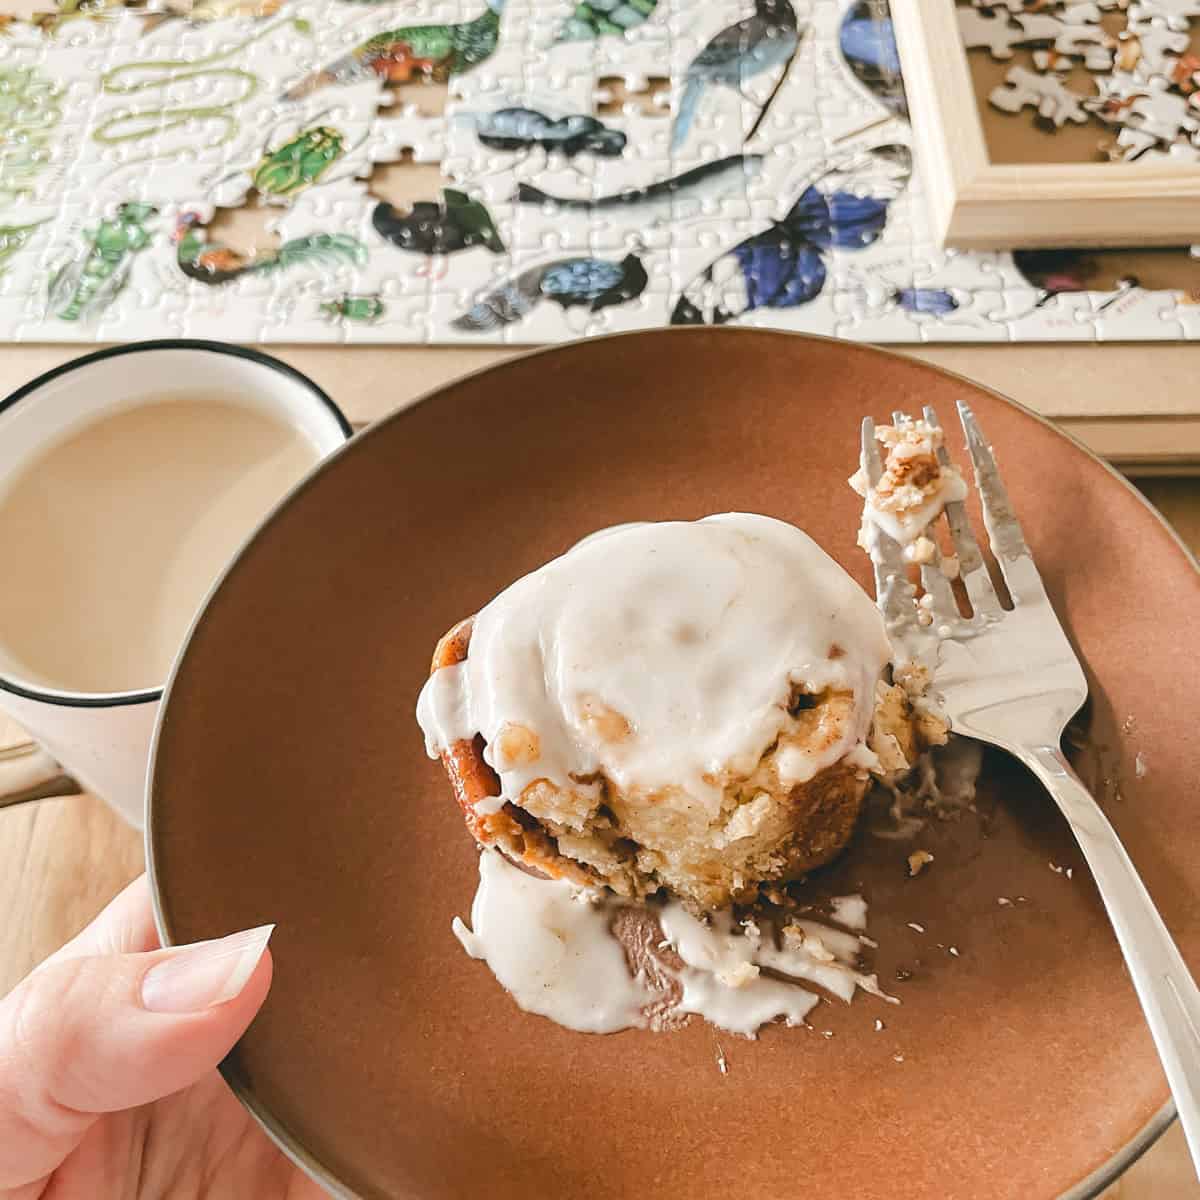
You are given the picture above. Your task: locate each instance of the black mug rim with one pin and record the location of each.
(68, 699)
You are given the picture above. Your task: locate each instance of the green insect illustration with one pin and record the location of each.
(14, 238)
(85, 286)
(215, 264)
(298, 163)
(30, 110)
(365, 310)
(604, 18)
(285, 171)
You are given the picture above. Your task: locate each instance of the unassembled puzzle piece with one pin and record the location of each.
(1130, 145)
(1075, 32)
(1161, 115)
(1054, 101)
(1180, 152)
(993, 30)
(1174, 12)
(1082, 35)
(1149, 109)
(1156, 48)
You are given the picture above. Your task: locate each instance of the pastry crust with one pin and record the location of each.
(511, 831)
(637, 845)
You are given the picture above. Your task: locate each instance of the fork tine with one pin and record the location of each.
(869, 458)
(971, 567)
(893, 592)
(1004, 530)
(934, 581)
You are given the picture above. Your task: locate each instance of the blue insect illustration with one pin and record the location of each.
(589, 283)
(874, 294)
(868, 44)
(518, 128)
(931, 302)
(784, 266)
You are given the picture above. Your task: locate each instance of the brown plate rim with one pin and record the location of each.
(1086, 1189)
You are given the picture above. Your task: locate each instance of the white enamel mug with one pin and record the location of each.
(100, 742)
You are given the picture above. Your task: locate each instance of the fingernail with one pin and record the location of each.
(204, 974)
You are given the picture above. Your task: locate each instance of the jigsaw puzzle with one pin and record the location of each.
(481, 171)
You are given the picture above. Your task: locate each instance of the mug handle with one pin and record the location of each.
(27, 772)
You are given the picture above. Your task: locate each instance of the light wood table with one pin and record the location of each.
(61, 860)
(1089, 389)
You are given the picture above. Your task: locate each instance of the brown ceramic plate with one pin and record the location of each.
(290, 785)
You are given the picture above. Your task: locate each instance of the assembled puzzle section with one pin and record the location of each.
(482, 171)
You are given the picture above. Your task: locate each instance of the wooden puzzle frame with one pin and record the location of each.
(978, 204)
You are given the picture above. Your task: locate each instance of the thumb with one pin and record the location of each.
(89, 1035)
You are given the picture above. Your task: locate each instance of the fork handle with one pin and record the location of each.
(1168, 994)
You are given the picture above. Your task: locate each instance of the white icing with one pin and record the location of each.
(718, 949)
(662, 655)
(713, 948)
(551, 946)
(864, 758)
(443, 708)
(746, 1009)
(844, 946)
(850, 911)
(906, 526)
(906, 514)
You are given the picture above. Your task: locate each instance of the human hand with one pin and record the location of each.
(108, 1081)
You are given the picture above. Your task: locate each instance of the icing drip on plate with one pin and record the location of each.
(549, 944)
(553, 948)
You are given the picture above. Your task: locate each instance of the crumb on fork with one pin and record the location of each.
(912, 489)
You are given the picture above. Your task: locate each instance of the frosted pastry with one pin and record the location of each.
(680, 706)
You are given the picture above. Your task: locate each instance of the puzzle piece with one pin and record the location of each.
(1160, 115)
(1133, 145)
(1046, 27)
(1156, 48)
(1175, 13)
(1163, 116)
(1129, 145)
(1055, 103)
(1096, 49)
(1082, 36)
(989, 29)
(1052, 60)
(1114, 92)
(1075, 33)
(1070, 12)
(1012, 6)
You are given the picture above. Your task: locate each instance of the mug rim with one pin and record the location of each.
(69, 699)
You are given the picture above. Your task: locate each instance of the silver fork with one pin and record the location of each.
(1011, 678)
